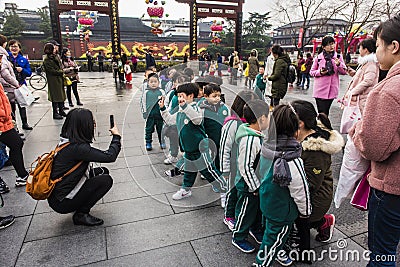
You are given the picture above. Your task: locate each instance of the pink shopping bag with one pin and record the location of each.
(361, 194)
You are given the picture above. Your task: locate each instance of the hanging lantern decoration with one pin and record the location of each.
(81, 42)
(67, 35)
(156, 13)
(86, 19)
(216, 29)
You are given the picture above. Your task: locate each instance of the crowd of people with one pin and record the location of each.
(270, 162)
(277, 185)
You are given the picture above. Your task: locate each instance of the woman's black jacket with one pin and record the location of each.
(74, 153)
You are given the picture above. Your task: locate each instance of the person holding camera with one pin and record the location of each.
(326, 69)
(80, 190)
(71, 69)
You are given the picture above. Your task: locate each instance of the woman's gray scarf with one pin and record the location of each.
(286, 149)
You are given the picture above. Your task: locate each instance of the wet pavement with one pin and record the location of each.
(143, 225)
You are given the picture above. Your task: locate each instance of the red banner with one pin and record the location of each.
(300, 42)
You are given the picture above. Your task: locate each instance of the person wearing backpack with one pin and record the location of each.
(300, 62)
(279, 76)
(305, 71)
(80, 190)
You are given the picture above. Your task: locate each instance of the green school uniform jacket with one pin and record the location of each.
(227, 146)
(249, 146)
(283, 204)
(213, 119)
(260, 82)
(149, 102)
(190, 129)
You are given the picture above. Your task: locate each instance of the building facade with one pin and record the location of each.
(288, 35)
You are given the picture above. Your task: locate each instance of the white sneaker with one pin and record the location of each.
(182, 193)
(223, 200)
(170, 159)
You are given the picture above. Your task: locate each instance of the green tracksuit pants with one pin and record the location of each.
(248, 215)
(152, 121)
(231, 199)
(195, 162)
(275, 236)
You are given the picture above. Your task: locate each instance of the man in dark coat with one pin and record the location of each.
(89, 58)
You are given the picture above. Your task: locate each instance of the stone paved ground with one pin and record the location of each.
(143, 226)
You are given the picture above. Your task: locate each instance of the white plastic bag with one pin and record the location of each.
(24, 96)
(353, 168)
(351, 114)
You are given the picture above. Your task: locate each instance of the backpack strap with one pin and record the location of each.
(69, 172)
(58, 148)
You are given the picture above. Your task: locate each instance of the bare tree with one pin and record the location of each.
(302, 14)
(359, 15)
(386, 9)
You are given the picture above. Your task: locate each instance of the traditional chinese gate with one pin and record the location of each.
(228, 9)
(108, 7)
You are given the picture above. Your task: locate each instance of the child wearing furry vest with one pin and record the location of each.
(319, 142)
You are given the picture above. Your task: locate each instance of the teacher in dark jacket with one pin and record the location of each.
(54, 72)
(79, 191)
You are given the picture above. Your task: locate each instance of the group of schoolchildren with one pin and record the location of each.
(251, 156)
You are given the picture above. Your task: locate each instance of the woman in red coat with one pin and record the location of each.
(10, 137)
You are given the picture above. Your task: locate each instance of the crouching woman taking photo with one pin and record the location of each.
(80, 190)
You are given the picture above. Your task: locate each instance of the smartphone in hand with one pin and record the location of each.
(112, 124)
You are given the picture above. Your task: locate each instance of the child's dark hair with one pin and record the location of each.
(188, 72)
(211, 88)
(176, 76)
(369, 44)
(255, 109)
(286, 120)
(240, 100)
(188, 89)
(182, 79)
(79, 126)
(307, 114)
(151, 75)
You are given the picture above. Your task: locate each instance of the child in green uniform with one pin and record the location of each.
(170, 131)
(284, 190)
(151, 111)
(228, 153)
(193, 141)
(249, 139)
(259, 87)
(214, 114)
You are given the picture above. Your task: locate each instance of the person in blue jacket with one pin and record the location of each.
(22, 70)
